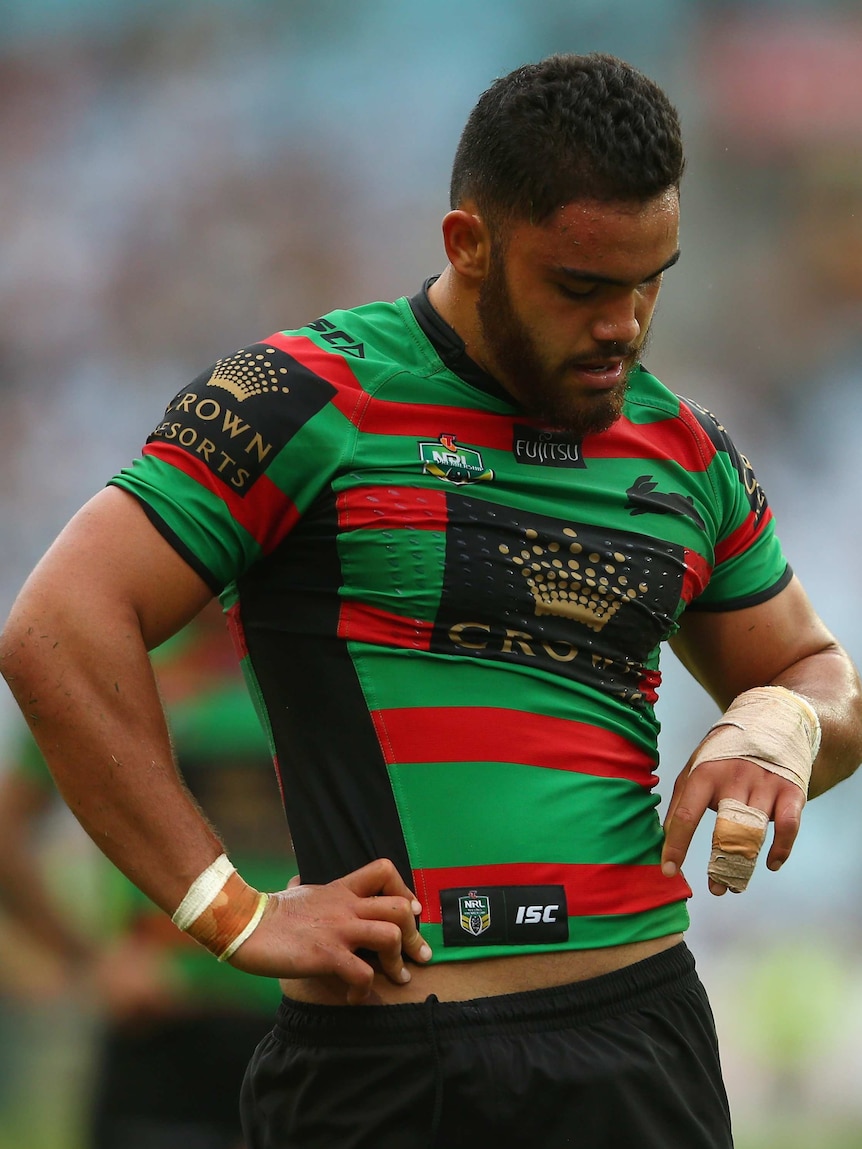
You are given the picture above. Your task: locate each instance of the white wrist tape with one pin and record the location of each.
(203, 891)
(253, 922)
(779, 731)
(220, 910)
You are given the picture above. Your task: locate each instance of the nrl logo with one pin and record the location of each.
(449, 460)
(475, 913)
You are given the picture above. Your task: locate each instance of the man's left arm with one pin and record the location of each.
(781, 642)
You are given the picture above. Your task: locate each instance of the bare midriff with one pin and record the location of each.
(487, 977)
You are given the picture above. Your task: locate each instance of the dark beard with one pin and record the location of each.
(527, 377)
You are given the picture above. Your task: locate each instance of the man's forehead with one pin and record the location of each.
(606, 233)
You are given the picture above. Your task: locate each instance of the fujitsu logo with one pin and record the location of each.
(545, 448)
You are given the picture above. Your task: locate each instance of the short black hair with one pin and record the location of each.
(565, 129)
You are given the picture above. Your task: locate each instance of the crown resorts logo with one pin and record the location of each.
(475, 909)
(249, 373)
(571, 581)
(447, 459)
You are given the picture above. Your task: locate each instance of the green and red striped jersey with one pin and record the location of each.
(450, 615)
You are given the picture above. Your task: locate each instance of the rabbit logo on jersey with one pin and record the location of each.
(475, 913)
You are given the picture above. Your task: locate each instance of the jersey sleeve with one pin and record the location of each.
(238, 456)
(749, 564)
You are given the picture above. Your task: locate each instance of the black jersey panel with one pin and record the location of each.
(586, 602)
(337, 793)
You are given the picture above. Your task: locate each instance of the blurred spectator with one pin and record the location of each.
(177, 1028)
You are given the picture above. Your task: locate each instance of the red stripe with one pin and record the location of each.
(362, 623)
(742, 538)
(472, 428)
(681, 440)
(697, 575)
(361, 508)
(381, 417)
(590, 889)
(265, 511)
(325, 364)
(492, 734)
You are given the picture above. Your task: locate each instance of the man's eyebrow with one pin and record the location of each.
(594, 277)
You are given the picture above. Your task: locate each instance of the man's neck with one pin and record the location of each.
(456, 305)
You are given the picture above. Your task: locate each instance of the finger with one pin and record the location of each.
(788, 817)
(415, 946)
(296, 880)
(385, 939)
(737, 839)
(357, 975)
(402, 914)
(678, 788)
(380, 877)
(682, 823)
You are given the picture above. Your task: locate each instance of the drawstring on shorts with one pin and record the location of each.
(431, 1003)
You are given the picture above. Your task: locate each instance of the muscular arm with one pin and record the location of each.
(781, 642)
(75, 654)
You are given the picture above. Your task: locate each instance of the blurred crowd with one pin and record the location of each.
(180, 180)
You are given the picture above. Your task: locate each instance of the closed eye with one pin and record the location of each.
(581, 291)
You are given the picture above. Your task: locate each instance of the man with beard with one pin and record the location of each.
(451, 534)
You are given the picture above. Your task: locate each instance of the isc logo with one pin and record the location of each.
(529, 915)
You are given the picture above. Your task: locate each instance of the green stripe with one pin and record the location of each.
(761, 566)
(374, 574)
(392, 681)
(453, 811)
(584, 934)
(303, 468)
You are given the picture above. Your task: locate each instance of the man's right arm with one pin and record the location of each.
(75, 654)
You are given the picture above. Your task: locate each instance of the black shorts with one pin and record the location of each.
(628, 1060)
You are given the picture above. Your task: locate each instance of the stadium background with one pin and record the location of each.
(178, 179)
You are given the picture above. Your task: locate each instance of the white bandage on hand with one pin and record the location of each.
(779, 731)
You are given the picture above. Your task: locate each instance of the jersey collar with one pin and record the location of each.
(450, 346)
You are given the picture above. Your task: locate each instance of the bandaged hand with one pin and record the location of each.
(779, 732)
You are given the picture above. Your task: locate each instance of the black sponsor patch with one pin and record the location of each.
(504, 915)
(545, 448)
(583, 601)
(238, 415)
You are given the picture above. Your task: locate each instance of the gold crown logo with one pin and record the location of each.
(248, 373)
(568, 582)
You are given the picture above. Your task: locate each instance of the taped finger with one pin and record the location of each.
(738, 838)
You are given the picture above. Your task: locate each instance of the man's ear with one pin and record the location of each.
(467, 243)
